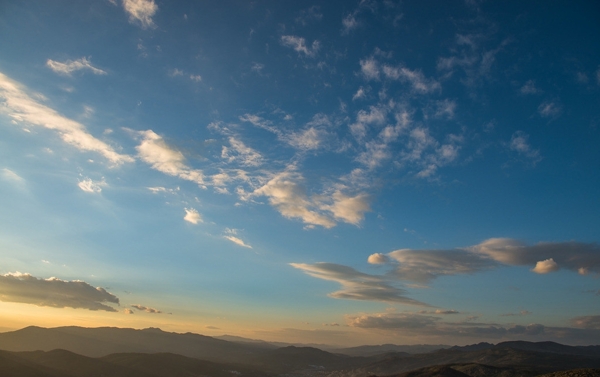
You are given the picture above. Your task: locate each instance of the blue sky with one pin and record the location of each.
(336, 172)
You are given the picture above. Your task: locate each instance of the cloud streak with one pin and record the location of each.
(71, 66)
(357, 285)
(24, 110)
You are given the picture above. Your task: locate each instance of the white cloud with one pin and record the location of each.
(415, 78)
(445, 108)
(192, 216)
(141, 12)
(88, 185)
(360, 94)
(287, 195)
(519, 143)
(23, 109)
(370, 68)
(53, 292)
(308, 139)
(128, 311)
(529, 88)
(378, 258)
(299, 45)
(156, 152)
(196, 78)
(241, 153)
(545, 266)
(237, 241)
(11, 176)
(349, 23)
(549, 109)
(350, 209)
(356, 285)
(70, 66)
(146, 309)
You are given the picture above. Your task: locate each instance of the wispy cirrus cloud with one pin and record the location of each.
(141, 12)
(70, 66)
(12, 177)
(25, 110)
(231, 235)
(54, 292)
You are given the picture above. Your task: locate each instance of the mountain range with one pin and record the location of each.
(108, 351)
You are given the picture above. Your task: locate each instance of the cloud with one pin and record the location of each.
(212, 327)
(422, 266)
(53, 292)
(391, 321)
(231, 235)
(23, 109)
(350, 209)
(239, 152)
(141, 12)
(349, 23)
(299, 45)
(308, 139)
(415, 78)
(519, 143)
(128, 311)
(529, 88)
(146, 309)
(587, 322)
(545, 266)
(237, 241)
(311, 14)
(11, 176)
(549, 109)
(192, 216)
(360, 94)
(378, 258)
(370, 68)
(356, 285)
(156, 152)
(70, 66)
(287, 195)
(521, 313)
(88, 185)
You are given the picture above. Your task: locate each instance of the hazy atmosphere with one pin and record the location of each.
(326, 172)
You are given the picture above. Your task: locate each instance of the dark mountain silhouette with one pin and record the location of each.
(102, 341)
(71, 351)
(501, 355)
(388, 348)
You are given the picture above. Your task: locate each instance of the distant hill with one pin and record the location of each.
(61, 363)
(501, 355)
(388, 348)
(102, 341)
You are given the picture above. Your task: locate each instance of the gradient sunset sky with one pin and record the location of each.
(339, 172)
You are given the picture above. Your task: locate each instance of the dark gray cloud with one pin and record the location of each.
(146, 309)
(53, 292)
(587, 322)
(416, 324)
(422, 266)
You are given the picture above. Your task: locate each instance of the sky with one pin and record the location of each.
(339, 172)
